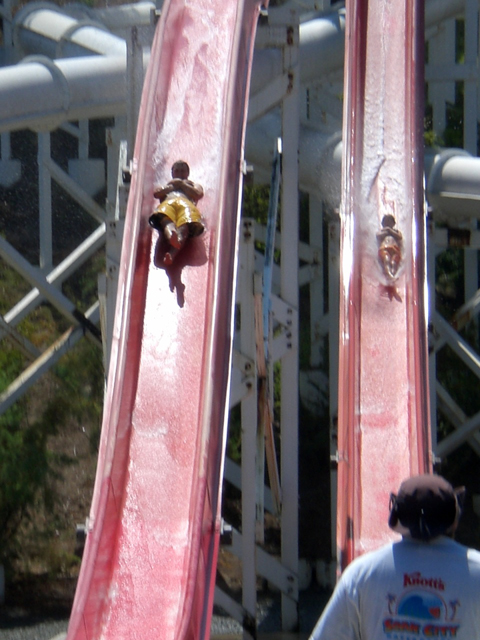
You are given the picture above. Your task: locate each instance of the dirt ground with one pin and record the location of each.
(46, 584)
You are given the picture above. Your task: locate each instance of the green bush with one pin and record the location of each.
(24, 472)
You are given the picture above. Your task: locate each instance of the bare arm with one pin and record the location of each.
(397, 235)
(388, 231)
(161, 192)
(192, 190)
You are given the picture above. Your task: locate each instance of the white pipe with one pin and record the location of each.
(453, 170)
(321, 50)
(43, 29)
(120, 17)
(453, 175)
(437, 11)
(453, 187)
(322, 44)
(42, 94)
(95, 86)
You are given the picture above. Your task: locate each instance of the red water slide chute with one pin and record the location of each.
(383, 420)
(150, 558)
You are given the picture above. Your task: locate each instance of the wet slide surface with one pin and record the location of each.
(383, 385)
(149, 563)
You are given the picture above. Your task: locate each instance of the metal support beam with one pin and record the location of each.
(45, 201)
(318, 330)
(53, 295)
(455, 415)
(233, 473)
(64, 270)
(333, 310)
(456, 439)
(462, 349)
(290, 294)
(10, 169)
(470, 123)
(266, 565)
(74, 190)
(249, 428)
(44, 362)
(20, 341)
(134, 84)
(108, 281)
(432, 360)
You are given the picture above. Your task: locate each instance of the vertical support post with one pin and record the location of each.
(45, 201)
(5, 148)
(442, 51)
(134, 86)
(470, 123)
(260, 451)
(249, 429)
(289, 293)
(108, 282)
(470, 109)
(316, 285)
(10, 170)
(114, 138)
(83, 139)
(7, 25)
(333, 312)
(432, 358)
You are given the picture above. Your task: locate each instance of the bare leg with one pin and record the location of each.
(172, 234)
(169, 256)
(181, 236)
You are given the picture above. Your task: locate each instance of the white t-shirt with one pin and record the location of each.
(407, 590)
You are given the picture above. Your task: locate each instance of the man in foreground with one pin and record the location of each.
(424, 586)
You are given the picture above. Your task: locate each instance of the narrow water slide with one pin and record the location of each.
(149, 563)
(383, 421)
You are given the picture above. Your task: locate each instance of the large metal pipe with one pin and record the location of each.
(452, 175)
(322, 44)
(319, 160)
(43, 93)
(77, 30)
(45, 30)
(48, 31)
(321, 52)
(121, 17)
(453, 187)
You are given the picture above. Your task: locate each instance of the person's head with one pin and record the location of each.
(426, 506)
(180, 169)
(388, 221)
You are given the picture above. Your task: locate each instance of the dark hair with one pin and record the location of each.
(180, 163)
(388, 221)
(426, 507)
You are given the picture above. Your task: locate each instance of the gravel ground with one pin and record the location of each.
(268, 616)
(34, 630)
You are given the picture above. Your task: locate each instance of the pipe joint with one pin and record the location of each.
(67, 36)
(60, 82)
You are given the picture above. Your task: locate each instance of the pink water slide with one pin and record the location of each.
(149, 565)
(383, 417)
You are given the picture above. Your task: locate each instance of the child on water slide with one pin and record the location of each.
(177, 216)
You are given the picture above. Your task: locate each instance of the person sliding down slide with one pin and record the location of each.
(390, 251)
(177, 216)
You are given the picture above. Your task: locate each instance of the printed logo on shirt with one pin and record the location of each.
(416, 579)
(419, 613)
